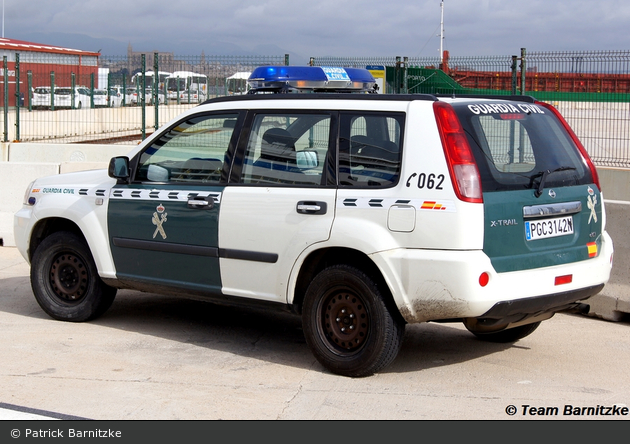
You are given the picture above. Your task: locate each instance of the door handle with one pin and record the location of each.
(311, 207)
(201, 203)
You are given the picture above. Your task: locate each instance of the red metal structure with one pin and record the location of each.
(41, 64)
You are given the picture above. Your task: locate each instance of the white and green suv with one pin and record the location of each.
(360, 212)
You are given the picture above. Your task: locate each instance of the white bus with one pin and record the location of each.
(190, 86)
(136, 79)
(236, 84)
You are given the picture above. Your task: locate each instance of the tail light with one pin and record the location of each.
(575, 139)
(461, 163)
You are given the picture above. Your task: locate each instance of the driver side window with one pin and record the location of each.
(193, 151)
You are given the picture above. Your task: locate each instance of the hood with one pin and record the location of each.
(78, 178)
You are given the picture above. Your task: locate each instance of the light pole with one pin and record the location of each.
(442, 32)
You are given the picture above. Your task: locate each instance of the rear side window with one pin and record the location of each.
(370, 149)
(515, 143)
(287, 149)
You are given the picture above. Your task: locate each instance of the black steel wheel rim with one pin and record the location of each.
(69, 278)
(343, 322)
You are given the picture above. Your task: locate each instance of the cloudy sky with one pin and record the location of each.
(322, 27)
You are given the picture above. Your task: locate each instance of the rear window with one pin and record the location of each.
(515, 143)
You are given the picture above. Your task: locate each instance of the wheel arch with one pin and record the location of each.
(323, 258)
(96, 243)
(48, 226)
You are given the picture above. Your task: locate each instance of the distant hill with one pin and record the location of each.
(113, 47)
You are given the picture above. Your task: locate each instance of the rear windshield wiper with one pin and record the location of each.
(543, 177)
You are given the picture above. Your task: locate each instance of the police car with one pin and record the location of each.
(360, 212)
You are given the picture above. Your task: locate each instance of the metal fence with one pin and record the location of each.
(118, 100)
(122, 99)
(591, 89)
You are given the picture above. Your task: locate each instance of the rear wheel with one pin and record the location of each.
(507, 335)
(65, 280)
(348, 324)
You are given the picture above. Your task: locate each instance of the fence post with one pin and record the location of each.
(73, 84)
(143, 86)
(397, 76)
(52, 89)
(109, 85)
(286, 59)
(177, 89)
(405, 72)
(17, 97)
(514, 74)
(92, 91)
(72, 94)
(29, 79)
(523, 70)
(156, 86)
(6, 98)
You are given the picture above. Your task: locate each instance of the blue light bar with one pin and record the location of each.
(310, 79)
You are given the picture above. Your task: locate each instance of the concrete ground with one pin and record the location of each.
(159, 358)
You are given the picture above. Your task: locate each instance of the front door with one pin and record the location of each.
(163, 226)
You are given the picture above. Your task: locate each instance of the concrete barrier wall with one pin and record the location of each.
(23, 162)
(65, 125)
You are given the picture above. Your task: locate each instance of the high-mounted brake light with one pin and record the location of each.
(577, 142)
(512, 116)
(310, 79)
(461, 163)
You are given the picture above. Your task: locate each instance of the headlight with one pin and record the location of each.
(26, 200)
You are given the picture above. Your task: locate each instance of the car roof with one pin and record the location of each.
(370, 97)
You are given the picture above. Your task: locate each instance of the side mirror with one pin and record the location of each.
(306, 159)
(119, 168)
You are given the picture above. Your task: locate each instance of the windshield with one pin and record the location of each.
(175, 84)
(519, 145)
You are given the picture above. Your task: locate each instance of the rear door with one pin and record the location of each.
(280, 200)
(542, 206)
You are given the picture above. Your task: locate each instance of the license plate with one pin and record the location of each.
(541, 229)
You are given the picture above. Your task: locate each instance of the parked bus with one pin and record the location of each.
(236, 84)
(136, 79)
(186, 86)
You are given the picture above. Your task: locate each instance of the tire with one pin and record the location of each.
(65, 280)
(347, 323)
(507, 335)
(79, 105)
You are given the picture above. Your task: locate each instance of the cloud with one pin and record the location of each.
(334, 27)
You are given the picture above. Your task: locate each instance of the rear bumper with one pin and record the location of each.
(541, 304)
(432, 285)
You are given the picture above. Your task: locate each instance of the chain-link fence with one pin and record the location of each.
(121, 99)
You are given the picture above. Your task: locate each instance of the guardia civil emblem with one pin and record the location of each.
(159, 217)
(591, 202)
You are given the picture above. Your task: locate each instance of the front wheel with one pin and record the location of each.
(347, 323)
(65, 280)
